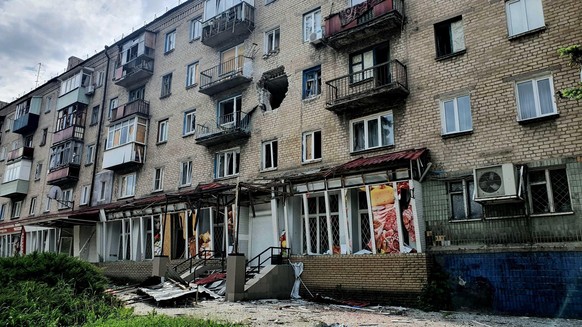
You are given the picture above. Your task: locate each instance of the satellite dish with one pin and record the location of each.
(55, 193)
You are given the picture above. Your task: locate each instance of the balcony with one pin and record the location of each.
(25, 124)
(229, 28)
(64, 175)
(382, 84)
(73, 132)
(360, 23)
(234, 126)
(137, 107)
(135, 72)
(16, 189)
(229, 74)
(21, 153)
(77, 95)
(130, 155)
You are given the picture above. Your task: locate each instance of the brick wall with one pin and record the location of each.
(387, 279)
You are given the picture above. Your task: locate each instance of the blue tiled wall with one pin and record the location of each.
(521, 283)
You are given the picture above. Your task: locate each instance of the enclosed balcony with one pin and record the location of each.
(230, 127)
(385, 84)
(16, 189)
(227, 75)
(15, 181)
(21, 153)
(363, 22)
(25, 124)
(130, 155)
(63, 175)
(230, 27)
(135, 107)
(135, 72)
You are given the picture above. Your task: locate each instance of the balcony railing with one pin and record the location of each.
(226, 75)
(72, 132)
(386, 82)
(138, 106)
(362, 21)
(25, 124)
(63, 175)
(230, 27)
(227, 128)
(134, 71)
(24, 153)
(16, 189)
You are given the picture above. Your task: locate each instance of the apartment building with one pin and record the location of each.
(377, 138)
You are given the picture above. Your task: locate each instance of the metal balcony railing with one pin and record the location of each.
(24, 152)
(224, 71)
(225, 124)
(138, 106)
(368, 80)
(238, 21)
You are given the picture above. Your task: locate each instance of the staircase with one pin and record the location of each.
(269, 275)
(197, 266)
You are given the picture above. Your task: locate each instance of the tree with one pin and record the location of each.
(574, 52)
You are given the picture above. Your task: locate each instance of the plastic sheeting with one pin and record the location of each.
(298, 270)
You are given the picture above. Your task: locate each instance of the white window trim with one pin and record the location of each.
(525, 12)
(126, 193)
(196, 22)
(17, 210)
(368, 118)
(90, 154)
(457, 121)
(188, 173)
(84, 195)
(236, 168)
(536, 98)
(312, 146)
(163, 131)
(275, 163)
(170, 41)
(270, 48)
(315, 29)
(32, 209)
(65, 202)
(161, 184)
(192, 78)
(191, 113)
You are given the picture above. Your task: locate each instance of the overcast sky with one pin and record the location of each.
(50, 31)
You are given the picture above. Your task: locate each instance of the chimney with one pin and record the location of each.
(73, 61)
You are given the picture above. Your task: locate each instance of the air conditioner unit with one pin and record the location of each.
(499, 183)
(89, 90)
(314, 38)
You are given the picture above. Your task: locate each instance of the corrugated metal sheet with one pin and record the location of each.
(370, 162)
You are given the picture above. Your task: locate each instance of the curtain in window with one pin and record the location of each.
(464, 111)
(545, 94)
(387, 135)
(373, 140)
(458, 36)
(450, 125)
(359, 141)
(527, 106)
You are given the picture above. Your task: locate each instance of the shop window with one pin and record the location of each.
(549, 190)
(449, 37)
(317, 225)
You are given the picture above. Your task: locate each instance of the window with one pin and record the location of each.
(191, 75)
(170, 41)
(65, 154)
(189, 122)
(524, 16)
(3, 153)
(163, 131)
(48, 103)
(535, 98)
(80, 79)
(226, 163)
(47, 205)
(102, 191)
(461, 200)
(8, 123)
(312, 24)
(38, 171)
(100, 78)
(158, 179)
(166, 85)
(195, 28)
(311, 82)
(28, 140)
(89, 154)
(356, 2)
(32, 209)
(272, 39)
(549, 191)
(94, 115)
(456, 115)
(269, 154)
(360, 66)
(136, 94)
(311, 146)
(231, 60)
(186, 173)
(127, 185)
(125, 132)
(372, 132)
(44, 136)
(84, 195)
(66, 199)
(16, 208)
(3, 211)
(229, 111)
(449, 37)
(112, 105)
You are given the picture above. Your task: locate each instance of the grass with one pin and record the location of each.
(154, 320)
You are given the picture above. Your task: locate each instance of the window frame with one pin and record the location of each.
(270, 47)
(304, 146)
(158, 179)
(455, 100)
(185, 168)
(124, 190)
(189, 116)
(170, 41)
(274, 155)
(32, 207)
(16, 209)
(192, 74)
(38, 171)
(94, 115)
(90, 154)
(534, 81)
(195, 26)
(312, 29)
(525, 13)
(43, 137)
(439, 37)
(467, 200)
(65, 202)
(113, 103)
(162, 136)
(84, 199)
(235, 153)
(549, 192)
(3, 208)
(317, 78)
(366, 119)
(166, 86)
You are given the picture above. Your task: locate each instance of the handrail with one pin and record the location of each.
(219, 23)
(205, 256)
(226, 69)
(250, 269)
(237, 121)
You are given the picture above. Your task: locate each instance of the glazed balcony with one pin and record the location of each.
(135, 107)
(78, 95)
(25, 124)
(381, 84)
(229, 74)
(65, 175)
(368, 20)
(127, 156)
(135, 72)
(230, 127)
(230, 27)
(16, 189)
(21, 153)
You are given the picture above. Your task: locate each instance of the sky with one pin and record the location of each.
(50, 31)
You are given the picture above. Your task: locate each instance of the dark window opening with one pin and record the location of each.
(274, 85)
(449, 37)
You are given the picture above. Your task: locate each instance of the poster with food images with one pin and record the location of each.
(392, 212)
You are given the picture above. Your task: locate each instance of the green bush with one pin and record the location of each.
(51, 268)
(158, 321)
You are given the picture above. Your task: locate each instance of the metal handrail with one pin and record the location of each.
(204, 257)
(392, 72)
(250, 269)
(237, 121)
(224, 70)
(221, 22)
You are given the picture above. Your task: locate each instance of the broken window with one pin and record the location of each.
(311, 146)
(273, 87)
(318, 224)
(269, 155)
(311, 82)
(272, 39)
(229, 111)
(449, 36)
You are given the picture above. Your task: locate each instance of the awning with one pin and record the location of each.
(385, 160)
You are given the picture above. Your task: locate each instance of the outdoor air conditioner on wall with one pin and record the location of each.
(314, 38)
(497, 183)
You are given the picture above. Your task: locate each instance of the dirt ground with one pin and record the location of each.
(303, 313)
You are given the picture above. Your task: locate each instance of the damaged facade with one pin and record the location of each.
(359, 134)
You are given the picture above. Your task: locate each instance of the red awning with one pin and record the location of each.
(376, 161)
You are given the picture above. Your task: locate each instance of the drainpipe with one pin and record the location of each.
(97, 144)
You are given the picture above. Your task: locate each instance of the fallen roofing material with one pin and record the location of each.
(167, 291)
